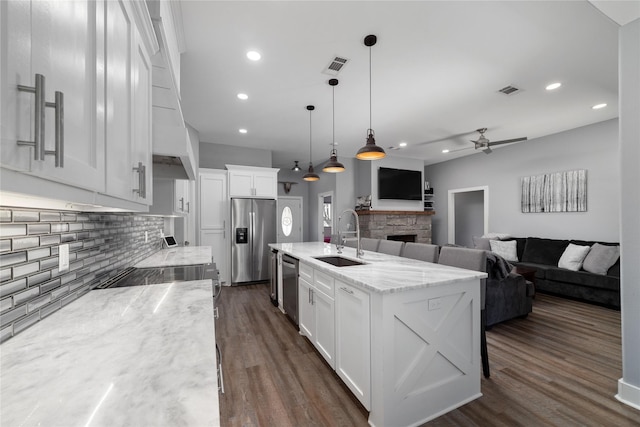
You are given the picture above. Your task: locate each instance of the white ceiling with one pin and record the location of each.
(436, 72)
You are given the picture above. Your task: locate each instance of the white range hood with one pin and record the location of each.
(172, 150)
(172, 153)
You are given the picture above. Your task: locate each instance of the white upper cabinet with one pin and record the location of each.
(59, 111)
(128, 109)
(249, 181)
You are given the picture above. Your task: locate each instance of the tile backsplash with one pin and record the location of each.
(100, 246)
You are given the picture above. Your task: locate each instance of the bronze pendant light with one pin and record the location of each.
(310, 175)
(370, 151)
(333, 165)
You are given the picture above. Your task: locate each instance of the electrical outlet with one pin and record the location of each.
(63, 257)
(146, 236)
(435, 304)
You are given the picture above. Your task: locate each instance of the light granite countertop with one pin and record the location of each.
(183, 255)
(135, 356)
(382, 273)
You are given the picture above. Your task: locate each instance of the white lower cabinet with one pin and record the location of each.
(353, 340)
(316, 311)
(306, 314)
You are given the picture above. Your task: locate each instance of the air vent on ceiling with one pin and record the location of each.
(336, 64)
(508, 90)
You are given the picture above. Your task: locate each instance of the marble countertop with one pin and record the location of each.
(138, 356)
(183, 255)
(382, 273)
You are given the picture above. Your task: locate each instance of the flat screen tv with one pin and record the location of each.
(399, 184)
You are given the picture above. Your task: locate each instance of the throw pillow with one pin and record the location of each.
(481, 243)
(573, 257)
(506, 249)
(601, 258)
(496, 236)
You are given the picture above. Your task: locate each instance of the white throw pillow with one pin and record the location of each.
(496, 236)
(506, 250)
(573, 257)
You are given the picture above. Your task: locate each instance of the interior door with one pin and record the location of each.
(289, 219)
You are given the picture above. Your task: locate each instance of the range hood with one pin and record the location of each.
(172, 150)
(172, 153)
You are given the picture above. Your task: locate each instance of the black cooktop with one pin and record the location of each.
(157, 275)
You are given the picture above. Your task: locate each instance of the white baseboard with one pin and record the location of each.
(628, 394)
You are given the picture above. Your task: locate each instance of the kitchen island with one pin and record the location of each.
(403, 335)
(139, 356)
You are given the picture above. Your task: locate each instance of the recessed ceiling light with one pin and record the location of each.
(242, 130)
(445, 151)
(253, 55)
(553, 86)
(402, 144)
(243, 96)
(599, 106)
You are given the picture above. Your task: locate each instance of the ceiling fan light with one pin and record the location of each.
(370, 151)
(311, 175)
(333, 165)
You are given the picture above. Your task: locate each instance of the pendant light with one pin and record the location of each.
(370, 151)
(333, 165)
(296, 168)
(310, 175)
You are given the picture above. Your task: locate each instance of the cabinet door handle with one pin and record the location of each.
(142, 186)
(224, 229)
(188, 207)
(59, 130)
(38, 142)
(38, 122)
(349, 291)
(182, 204)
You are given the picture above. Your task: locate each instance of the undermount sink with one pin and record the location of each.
(339, 261)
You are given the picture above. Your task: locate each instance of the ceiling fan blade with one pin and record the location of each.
(507, 141)
(459, 149)
(446, 138)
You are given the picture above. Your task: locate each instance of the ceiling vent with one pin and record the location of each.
(336, 64)
(508, 90)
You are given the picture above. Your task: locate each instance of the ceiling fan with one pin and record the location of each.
(484, 144)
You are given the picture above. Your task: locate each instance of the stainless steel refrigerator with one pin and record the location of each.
(253, 227)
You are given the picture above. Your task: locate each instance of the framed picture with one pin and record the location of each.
(555, 192)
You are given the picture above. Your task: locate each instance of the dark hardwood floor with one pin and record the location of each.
(558, 367)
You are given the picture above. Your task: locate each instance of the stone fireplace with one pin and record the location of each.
(399, 225)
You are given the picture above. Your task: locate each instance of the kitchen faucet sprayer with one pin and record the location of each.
(340, 243)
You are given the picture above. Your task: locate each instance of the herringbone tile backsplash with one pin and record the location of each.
(100, 246)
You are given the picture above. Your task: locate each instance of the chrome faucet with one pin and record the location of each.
(340, 244)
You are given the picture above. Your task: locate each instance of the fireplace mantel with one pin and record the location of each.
(381, 224)
(372, 212)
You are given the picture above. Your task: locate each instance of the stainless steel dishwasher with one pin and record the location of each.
(290, 287)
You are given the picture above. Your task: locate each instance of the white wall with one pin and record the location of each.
(367, 182)
(629, 161)
(216, 156)
(594, 148)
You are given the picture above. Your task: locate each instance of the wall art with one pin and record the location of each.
(555, 192)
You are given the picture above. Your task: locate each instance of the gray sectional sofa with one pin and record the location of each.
(544, 254)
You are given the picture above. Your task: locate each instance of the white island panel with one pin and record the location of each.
(407, 334)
